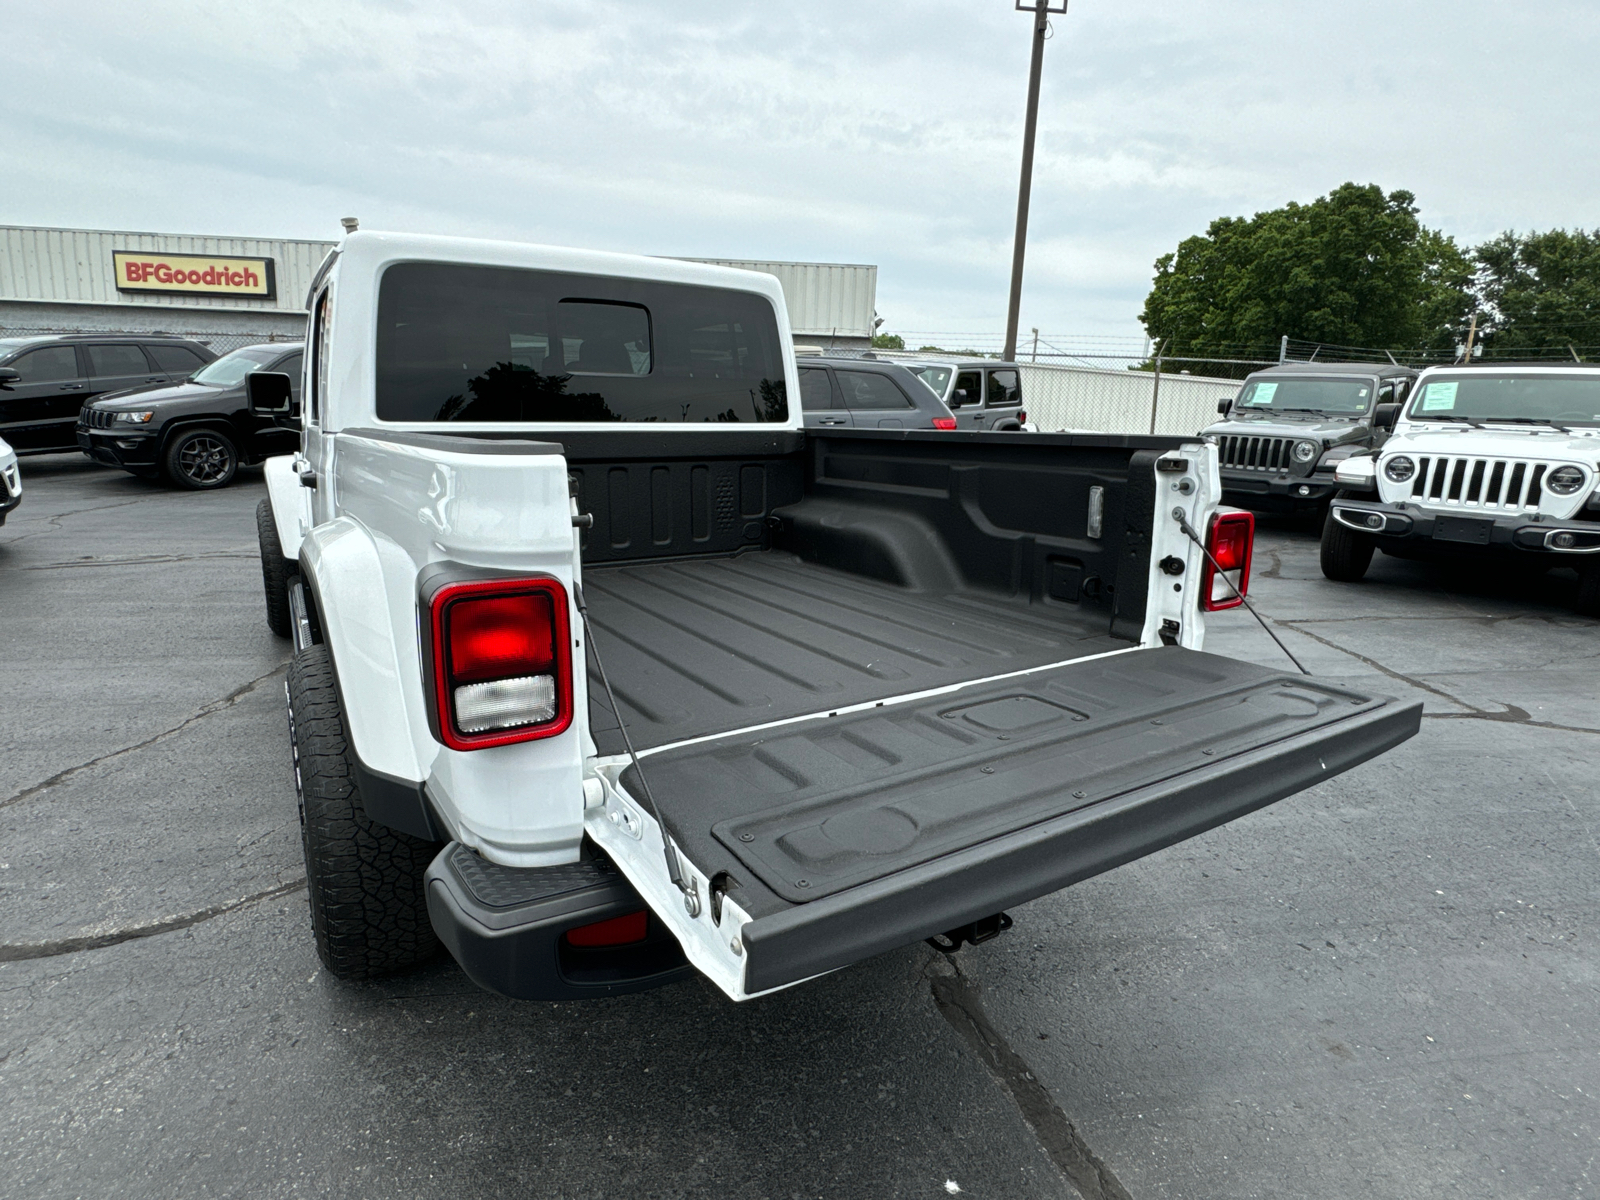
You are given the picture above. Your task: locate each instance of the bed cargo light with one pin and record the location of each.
(502, 661)
(1229, 541)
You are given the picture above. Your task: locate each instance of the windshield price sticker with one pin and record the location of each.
(1439, 397)
(1263, 393)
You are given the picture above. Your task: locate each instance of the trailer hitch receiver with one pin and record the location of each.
(974, 934)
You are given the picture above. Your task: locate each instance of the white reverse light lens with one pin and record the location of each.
(504, 703)
(1305, 451)
(1399, 469)
(133, 418)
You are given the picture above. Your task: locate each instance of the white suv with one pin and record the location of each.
(1495, 460)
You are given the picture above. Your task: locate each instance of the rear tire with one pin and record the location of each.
(1346, 554)
(201, 459)
(369, 911)
(1589, 590)
(276, 570)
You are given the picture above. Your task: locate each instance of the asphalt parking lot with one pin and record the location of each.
(1386, 986)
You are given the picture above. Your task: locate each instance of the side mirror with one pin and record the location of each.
(1385, 415)
(269, 392)
(1225, 404)
(8, 376)
(959, 397)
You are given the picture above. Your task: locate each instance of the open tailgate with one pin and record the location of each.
(837, 837)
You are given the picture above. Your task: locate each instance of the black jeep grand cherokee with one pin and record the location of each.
(196, 433)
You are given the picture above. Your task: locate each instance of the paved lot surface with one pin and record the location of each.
(1385, 986)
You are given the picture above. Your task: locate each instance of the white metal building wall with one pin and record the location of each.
(73, 266)
(1107, 401)
(824, 299)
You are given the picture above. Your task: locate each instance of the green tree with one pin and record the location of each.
(888, 341)
(1540, 291)
(1354, 268)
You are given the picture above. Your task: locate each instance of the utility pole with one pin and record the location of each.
(1035, 357)
(1041, 10)
(1155, 389)
(1472, 334)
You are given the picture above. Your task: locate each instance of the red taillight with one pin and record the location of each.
(502, 661)
(618, 931)
(944, 422)
(1022, 416)
(1228, 540)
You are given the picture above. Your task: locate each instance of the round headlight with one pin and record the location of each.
(1304, 451)
(1399, 469)
(1563, 481)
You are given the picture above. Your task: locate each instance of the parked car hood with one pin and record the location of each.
(157, 393)
(1497, 441)
(1309, 426)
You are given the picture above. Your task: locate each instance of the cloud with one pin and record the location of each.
(885, 133)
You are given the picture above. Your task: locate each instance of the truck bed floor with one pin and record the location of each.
(704, 646)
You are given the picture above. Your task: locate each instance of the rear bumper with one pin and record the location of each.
(848, 926)
(1469, 532)
(1279, 492)
(131, 452)
(505, 927)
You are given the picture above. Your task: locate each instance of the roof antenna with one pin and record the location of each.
(351, 224)
(1391, 358)
(1574, 353)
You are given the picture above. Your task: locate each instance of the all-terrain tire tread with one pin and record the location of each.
(276, 570)
(365, 881)
(1345, 554)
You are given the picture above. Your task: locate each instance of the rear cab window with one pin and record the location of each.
(458, 342)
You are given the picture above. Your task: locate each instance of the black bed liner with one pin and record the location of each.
(848, 835)
(702, 646)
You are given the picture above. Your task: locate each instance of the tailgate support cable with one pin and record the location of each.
(691, 896)
(1183, 523)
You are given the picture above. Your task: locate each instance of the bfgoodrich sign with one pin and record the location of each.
(194, 274)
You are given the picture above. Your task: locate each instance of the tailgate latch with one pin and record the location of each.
(981, 930)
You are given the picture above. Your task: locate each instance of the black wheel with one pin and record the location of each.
(1589, 590)
(201, 459)
(276, 570)
(368, 909)
(1346, 554)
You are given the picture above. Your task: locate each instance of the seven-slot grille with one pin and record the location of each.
(1457, 480)
(96, 418)
(1254, 453)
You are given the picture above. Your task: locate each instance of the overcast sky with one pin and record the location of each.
(837, 130)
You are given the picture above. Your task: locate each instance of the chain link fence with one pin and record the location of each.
(219, 342)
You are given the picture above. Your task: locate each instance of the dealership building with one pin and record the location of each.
(231, 291)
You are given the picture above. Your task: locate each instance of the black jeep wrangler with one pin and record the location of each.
(1281, 436)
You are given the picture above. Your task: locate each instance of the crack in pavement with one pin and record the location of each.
(215, 706)
(1511, 716)
(142, 560)
(957, 999)
(22, 951)
(51, 526)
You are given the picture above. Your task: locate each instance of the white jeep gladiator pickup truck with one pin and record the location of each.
(1495, 461)
(605, 668)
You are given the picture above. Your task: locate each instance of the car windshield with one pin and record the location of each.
(934, 377)
(232, 368)
(1307, 395)
(1567, 399)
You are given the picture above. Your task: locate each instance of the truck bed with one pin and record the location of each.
(700, 647)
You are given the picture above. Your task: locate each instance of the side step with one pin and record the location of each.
(507, 927)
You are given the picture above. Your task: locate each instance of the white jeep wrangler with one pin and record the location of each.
(1500, 461)
(606, 668)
